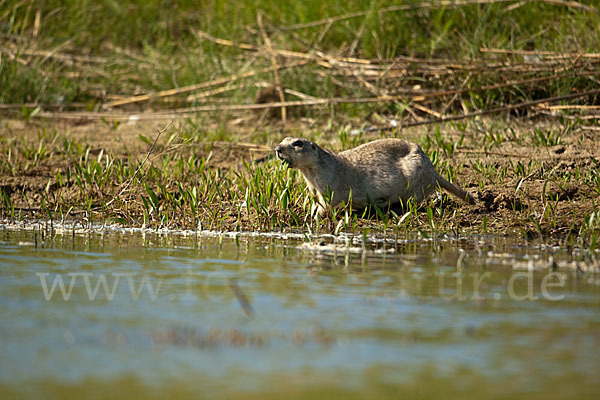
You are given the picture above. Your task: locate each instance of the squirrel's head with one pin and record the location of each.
(297, 152)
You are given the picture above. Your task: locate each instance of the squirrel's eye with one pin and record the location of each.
(297, 143)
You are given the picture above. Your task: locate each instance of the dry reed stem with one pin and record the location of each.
(12, 56)
(554, 114)
(570, 107)
(419, 96)
(250, 147)
(184, 112)
(212, 92)
(284, 53)
(356, 70)
(358, 37)
(128, 53)
(427, 110)
(371, 67)
(300, 95)
(526, 104)
(541, 54)
(275, 65)
(191, 88)
(407, 95)
(128, 183)
(37, 22)
(68, 58)
(462, 87)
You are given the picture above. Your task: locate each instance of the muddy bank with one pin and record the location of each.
(533, 180)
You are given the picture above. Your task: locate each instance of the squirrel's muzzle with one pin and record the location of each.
(279, 153)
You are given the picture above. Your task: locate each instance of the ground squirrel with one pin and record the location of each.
(383, 172)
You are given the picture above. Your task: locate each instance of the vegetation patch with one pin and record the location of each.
(165, 114)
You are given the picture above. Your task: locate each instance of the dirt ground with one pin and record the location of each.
(513, 206)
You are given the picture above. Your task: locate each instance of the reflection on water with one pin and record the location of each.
(129, 315)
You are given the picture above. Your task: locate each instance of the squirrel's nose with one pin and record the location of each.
(277, 149)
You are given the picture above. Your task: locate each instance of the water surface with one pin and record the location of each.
(205, 317)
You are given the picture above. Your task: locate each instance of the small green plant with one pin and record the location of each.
(493, 138)
(113, 125)
(27, 112)
(545, 137)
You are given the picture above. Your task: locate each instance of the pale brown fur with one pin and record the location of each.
(382, 172)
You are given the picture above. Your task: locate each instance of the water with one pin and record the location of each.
(195, 317)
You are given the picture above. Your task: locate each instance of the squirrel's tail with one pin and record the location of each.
(456, 191)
